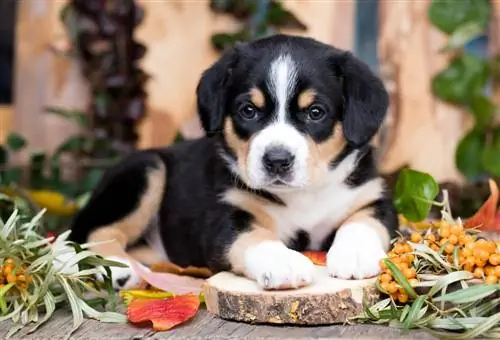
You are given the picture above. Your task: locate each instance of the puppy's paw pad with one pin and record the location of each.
(122, 277)
(356, 253)
(274, 266)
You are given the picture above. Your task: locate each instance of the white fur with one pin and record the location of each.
(283, 135)
(355, 253)
(318, 208)
(273, 265)
(280, 133)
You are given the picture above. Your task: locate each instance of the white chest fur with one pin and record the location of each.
(316, 212)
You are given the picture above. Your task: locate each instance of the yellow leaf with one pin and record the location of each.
(129, 295)
(54, 202)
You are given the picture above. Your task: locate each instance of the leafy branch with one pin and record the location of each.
(464, 83)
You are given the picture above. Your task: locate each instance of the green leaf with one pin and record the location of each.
(449, 15)
(15, 141)
(464, 34)
(77, 117)
(4, 155)
(400, 278)
(12, 175)
(470, 294)
(483, 110)
(468, 154)
(414, 312)
(490, 154)
(72, 144)
(414, 194)
(37, 165)
(465, 77)
(449, 279)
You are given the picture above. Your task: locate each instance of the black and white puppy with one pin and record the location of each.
(286, 166)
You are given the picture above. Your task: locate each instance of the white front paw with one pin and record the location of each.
(274, 266)
(123, 277)
(355, 253)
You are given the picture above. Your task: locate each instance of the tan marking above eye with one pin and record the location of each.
(306, 98)
(257, 98)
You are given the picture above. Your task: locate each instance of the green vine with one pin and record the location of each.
(259, 17)
(465, 83)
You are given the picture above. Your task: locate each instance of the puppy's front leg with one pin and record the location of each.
(259, 255)
(359, 245)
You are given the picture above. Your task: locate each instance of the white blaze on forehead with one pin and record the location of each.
(282, 80)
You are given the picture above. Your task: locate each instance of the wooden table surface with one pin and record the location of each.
(205, 326)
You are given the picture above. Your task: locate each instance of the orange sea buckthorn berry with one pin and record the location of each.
(407, 248)
(496, 271)
(494, 259)
(449, 248)
(11, 278)
(385, 278)
(382, 265)
(431, 238)
(480, 262)
(490, 280)
(384, 286)
(398, 248)
(444, 231)
(453, 239)
(434, 247)
(466, 252)
(403, 297)
(478, 273)
(481, 244)
(392, 288)
(456, 230)
(416, 237)
(489, 270)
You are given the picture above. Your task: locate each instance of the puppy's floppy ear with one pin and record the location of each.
(366, 99)
(212, 90)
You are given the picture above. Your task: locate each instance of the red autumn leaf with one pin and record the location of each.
(485, 218)
(317, 257)
(163, 313)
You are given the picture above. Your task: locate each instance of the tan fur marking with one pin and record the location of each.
(322, 154)
(365, 216)
(131, 227)
(306, 98)
(252, 204)
(239, 147)
(236, 253)
(257, 98)
(144, 254)
(369, 192)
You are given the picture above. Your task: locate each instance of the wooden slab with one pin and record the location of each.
(327, 301)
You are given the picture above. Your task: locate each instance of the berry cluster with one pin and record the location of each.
(9, 273)
(459, 246)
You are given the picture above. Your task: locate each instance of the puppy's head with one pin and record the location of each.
(285, 108)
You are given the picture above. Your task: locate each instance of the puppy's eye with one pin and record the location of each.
(248, 112)
(316, 112)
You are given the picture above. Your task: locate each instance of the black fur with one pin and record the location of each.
(196, 227)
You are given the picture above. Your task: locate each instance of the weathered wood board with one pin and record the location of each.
(326, 301)
(204, 326)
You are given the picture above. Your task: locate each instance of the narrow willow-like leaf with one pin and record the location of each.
(483, 327)
(3, 302)
(449, 279)
(73, 301)
(404, 313)
(110, 317)
(50, 307)
(473, 293)
(400, 278)
(414, 312)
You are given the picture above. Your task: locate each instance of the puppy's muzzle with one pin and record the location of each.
(278, 162)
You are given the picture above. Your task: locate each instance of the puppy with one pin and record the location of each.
(286, 166)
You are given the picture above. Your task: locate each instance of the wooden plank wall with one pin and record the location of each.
(177, 34)
(422, 131)
(43, 78)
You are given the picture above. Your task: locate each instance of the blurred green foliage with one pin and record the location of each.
(467, 81)
(259, 17)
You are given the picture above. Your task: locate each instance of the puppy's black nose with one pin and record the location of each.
(278, 161)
